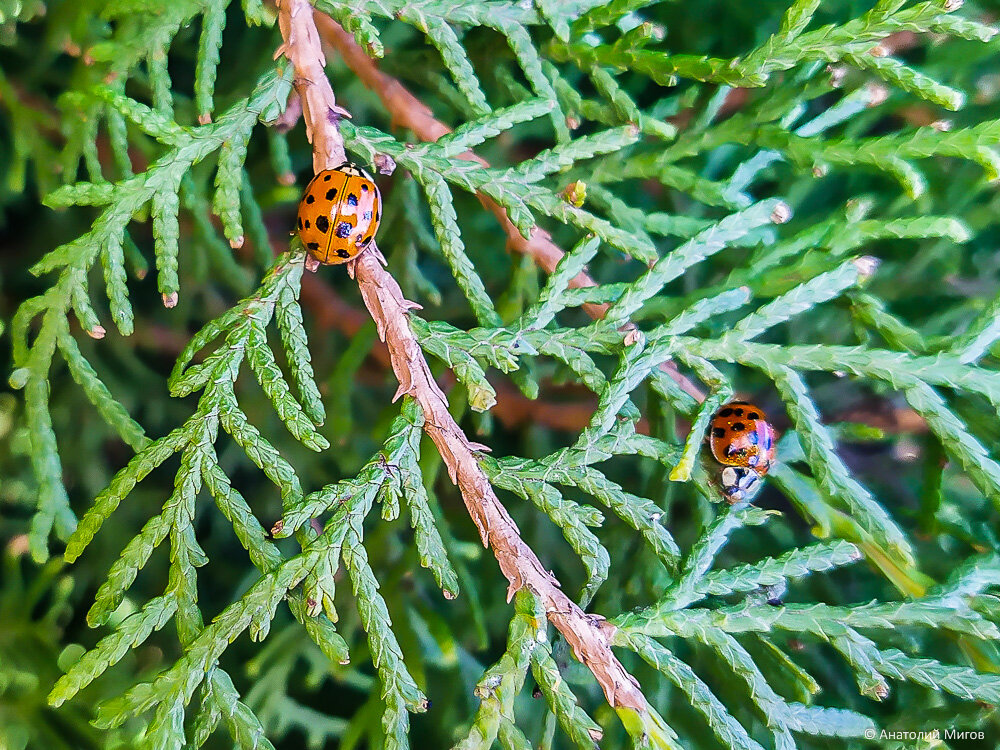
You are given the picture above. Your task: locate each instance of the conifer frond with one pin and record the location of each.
(771, 209)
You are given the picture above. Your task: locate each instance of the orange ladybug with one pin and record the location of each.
(339, 213)
(743, 441)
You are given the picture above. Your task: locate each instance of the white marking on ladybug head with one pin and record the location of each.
(739, 483)
(354, 171)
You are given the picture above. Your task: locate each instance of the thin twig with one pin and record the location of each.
(319, 106)
(588, 635)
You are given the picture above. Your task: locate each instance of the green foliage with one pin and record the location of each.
(772, 205)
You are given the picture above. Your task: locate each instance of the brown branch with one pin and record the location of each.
(319, 106)
(588, 635)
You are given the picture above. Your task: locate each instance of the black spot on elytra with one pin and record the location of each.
(307, 223)
(718, 432)
(300, 222)
(364, 188)
(738, 427)
(343, 229)
(331, 194)
(352, 199)
(322, 223)
(343, 253)
(310, 198)
(753, 415)
(313, 245)
(326, 177)
(737, 412)
(726, 413)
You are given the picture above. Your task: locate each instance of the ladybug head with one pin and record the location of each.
(740, 483)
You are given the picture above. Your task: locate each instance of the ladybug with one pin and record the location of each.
(743, 441)
(339, 213)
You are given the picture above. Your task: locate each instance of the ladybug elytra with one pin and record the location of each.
(339, 213)
(743, 441)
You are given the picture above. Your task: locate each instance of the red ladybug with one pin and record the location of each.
(743, 441)
(339, 214)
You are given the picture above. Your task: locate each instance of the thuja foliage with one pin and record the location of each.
(793, 203)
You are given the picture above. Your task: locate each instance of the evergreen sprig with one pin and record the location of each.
(730, 231)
